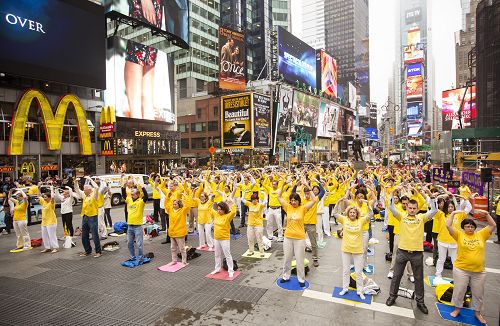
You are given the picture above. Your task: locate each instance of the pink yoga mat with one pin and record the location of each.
(205, 248)
(223, 275)
(171, 267)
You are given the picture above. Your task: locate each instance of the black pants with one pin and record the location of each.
(163, 219)
(156, 210)
(416, 259)
(126, 213)
(167, 220)
(435, 251)
(428, 230)
(244, 210)
(358, 155)
(107, 217)
(233, 228)
(67, 221)
(390, 229)
(9, 223)
(330, 212)
(497, 217)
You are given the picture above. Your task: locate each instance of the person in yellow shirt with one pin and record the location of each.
(32, 188)
(410, 248)
(497, 217)
(177, 229)
(273, 214)
(255, 229)
(468, 269)
(352, 247)
(222, 219)
(204, 205)
(49, 222)
(246, 192)
(89, 214)
(295, 234)
(102, 188)
(19, 219)
(155, 178)
(135, 231)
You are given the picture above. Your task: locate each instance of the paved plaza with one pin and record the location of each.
(65, 289)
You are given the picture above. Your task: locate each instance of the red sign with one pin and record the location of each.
(106, 130)
(211, 150)
(51, 167)
(6, 169)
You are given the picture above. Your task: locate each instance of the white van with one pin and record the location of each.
(114, 183)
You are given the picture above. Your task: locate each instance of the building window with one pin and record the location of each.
(183, 88)
(200, 85)
(183, 127)
(213, 125)
(198, 113)
(185, 143)
(198, 143)
(199, 126)
(216, 111)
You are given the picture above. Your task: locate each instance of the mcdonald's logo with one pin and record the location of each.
(107, 122)
(53, 124)
(108, 147)
(28, 168)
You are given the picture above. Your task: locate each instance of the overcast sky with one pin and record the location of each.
(446, 19)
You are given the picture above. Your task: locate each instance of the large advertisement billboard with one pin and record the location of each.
(236, 121)
(139, 87)
(285, 109)
(451, 103)
(327, 119)
(262, 121)
(296, 60)
(413, 15)
(305, 110)
(54, 40)
(415, 128)
(414, 87)
(414, 110)
(232, 69)
(168, 16)
(414, 50)
(326, 73)
(371, 134)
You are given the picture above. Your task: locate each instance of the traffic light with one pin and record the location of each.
(439, 136)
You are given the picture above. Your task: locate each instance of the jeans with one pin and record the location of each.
(156, 209)
(89, 225)
(244, 210)
(135, 232)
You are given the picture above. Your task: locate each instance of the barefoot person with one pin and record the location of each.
(468, 269)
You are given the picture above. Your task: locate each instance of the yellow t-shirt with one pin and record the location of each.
(33, 190)
(498, 206)
(273, 196)
(437, 220)
(363, 211)
(221, 224)
(89, 205)
(352, 239)
(100, 199)
(255, 217)
(464, 191)
(177, 222)
(391, 220)
(443, 234)
(246, 190)
(204, 211)
(310, 217)
(20, 209)
(411, 232)
(48, 213)
(295, 222)
(156, 193)
(135, 210)
(470, 252)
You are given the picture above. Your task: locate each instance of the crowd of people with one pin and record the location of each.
(294, 207)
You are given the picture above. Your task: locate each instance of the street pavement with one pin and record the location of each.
(65, 289)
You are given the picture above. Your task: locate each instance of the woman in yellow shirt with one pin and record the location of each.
(352, 246)
(255, 229)
(294, 243)
(177, 229)
(19, 220)
(468, 269)
(223, 215)
(204, 205)
(49, 222)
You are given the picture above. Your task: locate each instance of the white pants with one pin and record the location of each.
(365, 248)
(49, 237)
(23, 237)
(223, 247)
(254, 232)
(409, 271)
(274, 217)
(101, 225)
(476, 282)
(346, 270)
(319, 227)
(294, 247)
(444, 248)
(205, 234)
(238, 205)
(326, 221)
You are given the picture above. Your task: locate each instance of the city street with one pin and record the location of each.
(65, 289)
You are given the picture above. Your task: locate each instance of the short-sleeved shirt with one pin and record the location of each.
(470, 252)
(352, 234)
(135, 210)
(443, 233)
(20, 209)
(255, 216)
(295, 222)
(411, 232)
(89, 205)
(48, 213)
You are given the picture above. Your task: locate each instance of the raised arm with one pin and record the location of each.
(393, 209)
(491, 223)
(280, 199)
(311, 203)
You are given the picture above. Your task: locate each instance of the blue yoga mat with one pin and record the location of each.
(235, 236)
(465, 317)
(369, 265)
(432, 277)
(135, 262)
(351, 296)
(370, 252)
(292, 284)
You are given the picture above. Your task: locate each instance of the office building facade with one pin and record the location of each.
(465, 41)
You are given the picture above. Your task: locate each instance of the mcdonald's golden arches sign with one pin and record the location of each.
(53, 124)
(107, 122)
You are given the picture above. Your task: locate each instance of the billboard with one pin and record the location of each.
(414, 69)
(285, 109)
(326, 72)
(414, 87)
(414, 50)
(414, 110)
(54, 40)
(413, 15)
(262, 121)
(349, 123)
(296, 60)
(451, 103)
(371, 133)
(236, 121)
(352, 96)
(232, 69)
(327, 119)
(140, 88)
(415, 128)
(167, 16)
(305, 110)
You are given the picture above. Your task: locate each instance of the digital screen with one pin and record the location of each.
(415, 128)
(232, 68)
(296, 60)
(413, 15)
(326, 73)
(305, 110)
(262, 121)
(414, 50)
(414, 110)
(61, 41)
(451, 104)
(414, 69)
(327, 119)
(169, 16)
(414, 87)
(136, 90)
(371, 133)
(285, 109)
(349, 123)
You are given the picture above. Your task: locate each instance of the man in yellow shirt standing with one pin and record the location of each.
(410, 248)
(19, 219)
(274, 212)
(135, 232)
(89, 213)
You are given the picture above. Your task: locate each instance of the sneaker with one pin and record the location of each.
(302, 284)
(215, 272)
(328, 234)
(284, 280)
(373, 241)
(390, 275)
(361, 295)
(54, 251)
(308, 249)
(412, 279)
(280, 239)
(315, 263)
(4, 231)
(45, 250)
(343, 292)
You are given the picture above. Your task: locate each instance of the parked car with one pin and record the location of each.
(33, 213)
(114, 183)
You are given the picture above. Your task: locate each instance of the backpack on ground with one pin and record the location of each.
(224, 265)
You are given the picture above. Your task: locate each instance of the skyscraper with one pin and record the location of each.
(347, 39)
(313, 23)
(465, 40)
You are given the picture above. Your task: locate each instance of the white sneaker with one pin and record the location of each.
(373, 241)
(412, 279)
(361, 295)
(343, 292)
(367, 269)
(390, 275)
(231, 274)
(280, 239)
(214, 272)
(328, 234)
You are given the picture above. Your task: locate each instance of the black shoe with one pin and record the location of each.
(243, 226)
(308, 249)
(423, 308)
(496, 241)
(390, 301)
(284, 281)
(302, 284)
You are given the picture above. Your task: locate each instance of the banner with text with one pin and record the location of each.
(262, 121)
(236, 121)
(232, 50)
